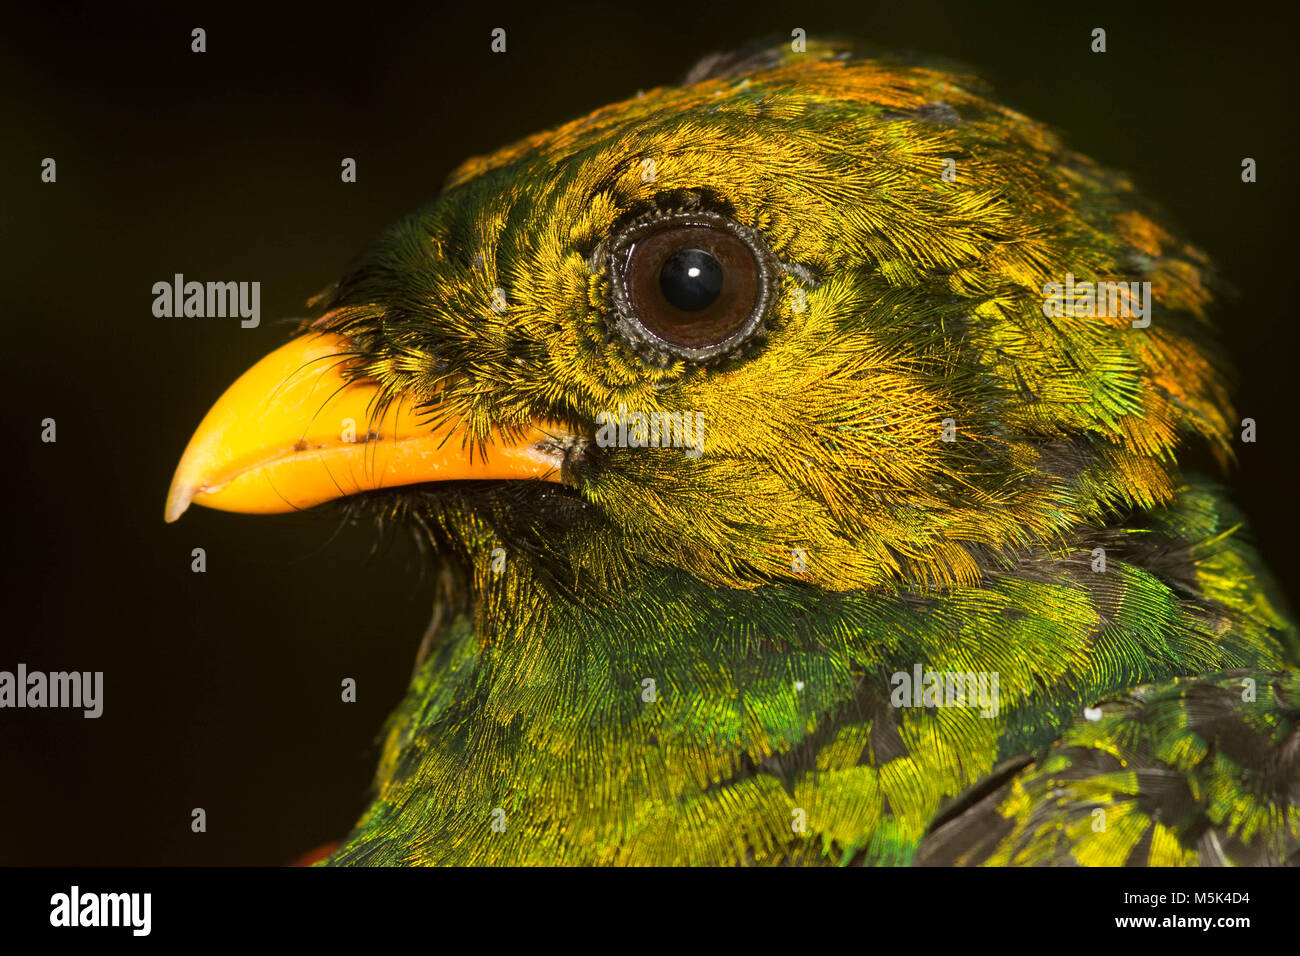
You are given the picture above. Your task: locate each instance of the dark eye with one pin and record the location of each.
(691, 280)
(693, 285)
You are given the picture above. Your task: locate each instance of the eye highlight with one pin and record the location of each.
(693, 285)
(691, 279)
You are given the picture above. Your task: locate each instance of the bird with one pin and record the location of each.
(783, 509)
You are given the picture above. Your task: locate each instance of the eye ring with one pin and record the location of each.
(646, 257)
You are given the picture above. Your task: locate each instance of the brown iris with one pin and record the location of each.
(690, 284)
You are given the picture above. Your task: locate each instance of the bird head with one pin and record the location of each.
(782, 324)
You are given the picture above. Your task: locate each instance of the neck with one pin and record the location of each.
(682, 724)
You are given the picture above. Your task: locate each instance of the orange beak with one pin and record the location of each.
(293, 432)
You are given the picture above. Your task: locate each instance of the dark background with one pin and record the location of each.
(222, 689)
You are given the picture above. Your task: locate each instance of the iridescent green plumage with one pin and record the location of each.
(548, 723)
(692, 660)
(1198, 771)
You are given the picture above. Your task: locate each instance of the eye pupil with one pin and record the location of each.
(691, 280)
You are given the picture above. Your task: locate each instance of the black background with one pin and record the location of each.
(222, 689)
